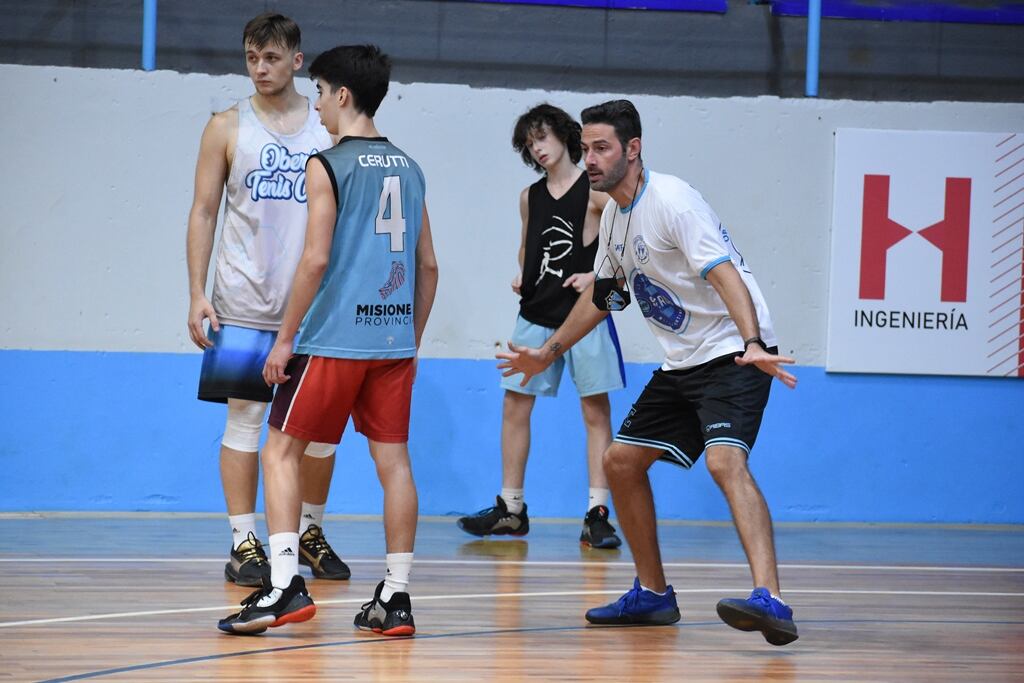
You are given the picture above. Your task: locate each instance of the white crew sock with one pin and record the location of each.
(284, 558)
(397, 578)
(241, 527)
(311, 514)
(513, 499)
(643, 587)
(598, 497)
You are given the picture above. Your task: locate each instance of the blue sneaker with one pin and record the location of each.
(760, 612)
(638, 606)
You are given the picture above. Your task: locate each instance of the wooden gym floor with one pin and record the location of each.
(137, 598)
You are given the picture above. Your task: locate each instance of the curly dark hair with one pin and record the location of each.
(561, 124)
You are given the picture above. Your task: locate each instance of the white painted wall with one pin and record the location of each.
(97, 184)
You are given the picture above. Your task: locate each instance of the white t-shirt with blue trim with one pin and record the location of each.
(675, 238)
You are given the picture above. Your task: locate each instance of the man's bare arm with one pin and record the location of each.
(316, 254)
(592, 224)
(730, 286)
(524, 217)
(211, 173)
(584, 317)
(426, 278)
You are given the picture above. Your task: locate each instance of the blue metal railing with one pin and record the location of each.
(813, 48)
(149, 35)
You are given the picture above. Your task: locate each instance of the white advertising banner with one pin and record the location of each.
(927, 265)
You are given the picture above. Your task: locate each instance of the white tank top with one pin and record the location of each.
(264, 220)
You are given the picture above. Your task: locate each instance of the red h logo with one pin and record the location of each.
(950, 235)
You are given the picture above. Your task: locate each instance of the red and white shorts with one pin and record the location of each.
(321, 393)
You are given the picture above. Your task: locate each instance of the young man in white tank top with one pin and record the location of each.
(258, 150)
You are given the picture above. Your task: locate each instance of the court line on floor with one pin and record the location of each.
(538, 563)
(383, 642)
(494, 596)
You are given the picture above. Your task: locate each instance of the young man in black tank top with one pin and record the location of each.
(560, 221)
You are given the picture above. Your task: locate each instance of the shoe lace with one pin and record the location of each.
(252, 551)
(493, 510)
(256, 595)
(766, 602)
(318, 543)
(762, 600)
(629, 600)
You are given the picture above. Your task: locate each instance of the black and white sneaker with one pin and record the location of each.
(247, 564)
(391, 618)
(497, 521)
(598, 531)
(317, 554)
(270, 607)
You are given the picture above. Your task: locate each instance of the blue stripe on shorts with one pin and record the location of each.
(594, 362)
(233, 367)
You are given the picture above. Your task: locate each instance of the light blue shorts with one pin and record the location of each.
(594, 362)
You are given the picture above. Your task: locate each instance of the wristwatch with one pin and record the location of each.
(754, 340)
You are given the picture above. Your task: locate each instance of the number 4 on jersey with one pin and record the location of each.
(390, 217)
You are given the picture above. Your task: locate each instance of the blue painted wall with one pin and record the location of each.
(123, 431)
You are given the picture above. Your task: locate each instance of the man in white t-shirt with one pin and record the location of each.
(662, 244)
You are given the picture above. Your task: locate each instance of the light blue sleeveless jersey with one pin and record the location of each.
(364, 307)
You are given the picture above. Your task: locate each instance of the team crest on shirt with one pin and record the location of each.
(395, 280)
(640, 249)
(659, 304)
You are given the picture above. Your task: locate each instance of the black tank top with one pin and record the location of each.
(554, 251)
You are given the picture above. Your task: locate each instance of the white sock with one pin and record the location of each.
(598, 497)
(311, 514)
(241, 527)
(643, 587)
(397, 578)
(513, 499)
(284, 558)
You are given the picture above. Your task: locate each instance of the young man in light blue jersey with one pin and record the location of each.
(362, 294)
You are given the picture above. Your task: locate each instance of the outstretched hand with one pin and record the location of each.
(768, 363)
(524, 359)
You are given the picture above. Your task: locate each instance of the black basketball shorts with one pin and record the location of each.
(685, 411)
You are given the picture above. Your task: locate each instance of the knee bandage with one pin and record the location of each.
(315, 449)
(245, 421)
